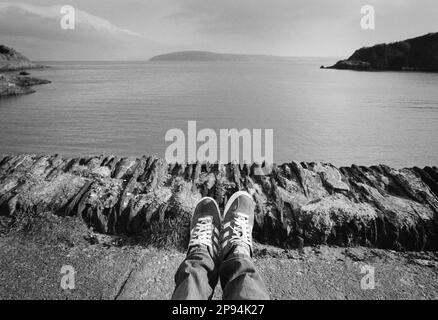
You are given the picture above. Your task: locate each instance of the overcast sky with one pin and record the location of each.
(139, 29)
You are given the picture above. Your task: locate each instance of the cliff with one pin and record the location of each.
(297, 204)
(13, 85)
(417, 54)
(11, 60)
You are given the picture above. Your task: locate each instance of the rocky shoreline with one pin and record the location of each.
(14, 85)
(297, 204)
(13, 82)
(416, 54)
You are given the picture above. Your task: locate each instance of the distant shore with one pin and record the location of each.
(213, 56)
(14, 73)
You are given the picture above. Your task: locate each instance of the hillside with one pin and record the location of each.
(211, 56)
(12, 60)
(13, 83)
(417, 54)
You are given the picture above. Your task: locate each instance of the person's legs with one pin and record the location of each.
(239, 277)
(197, 276)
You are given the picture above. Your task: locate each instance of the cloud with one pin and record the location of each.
(296, 27)
(81, 17)
(252, 17)
(36, 31)
(281, 27)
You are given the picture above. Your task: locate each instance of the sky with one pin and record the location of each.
(140, 29)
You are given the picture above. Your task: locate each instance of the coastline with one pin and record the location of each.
(16, 84)
(14, 78)
(415, 54)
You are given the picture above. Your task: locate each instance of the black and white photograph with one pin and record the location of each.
(222, 150)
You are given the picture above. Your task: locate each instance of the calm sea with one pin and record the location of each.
(121, 108)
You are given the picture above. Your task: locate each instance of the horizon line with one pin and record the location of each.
(149, 59)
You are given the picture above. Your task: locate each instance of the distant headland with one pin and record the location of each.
(416, 54)
(13, 79)
(212, 56)
(12, 60)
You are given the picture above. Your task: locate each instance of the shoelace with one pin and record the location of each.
(241, 229)
(202, 232)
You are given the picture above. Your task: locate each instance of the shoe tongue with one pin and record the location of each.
(242, 249)
(242, 204)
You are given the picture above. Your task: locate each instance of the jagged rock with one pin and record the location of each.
(17, 85)
(352, 65)
(296, 204)
(13, 85)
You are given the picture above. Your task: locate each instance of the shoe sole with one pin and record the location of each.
(215, 203)
(231, 200)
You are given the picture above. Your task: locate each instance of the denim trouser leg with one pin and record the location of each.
(240, 280)
(196, 277)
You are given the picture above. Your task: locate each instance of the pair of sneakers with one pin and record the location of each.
(222, 235)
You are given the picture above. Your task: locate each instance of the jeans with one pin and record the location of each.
(197, 277)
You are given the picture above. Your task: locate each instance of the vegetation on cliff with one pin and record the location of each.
(417, 54)
(12, 60)
(11, 84)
